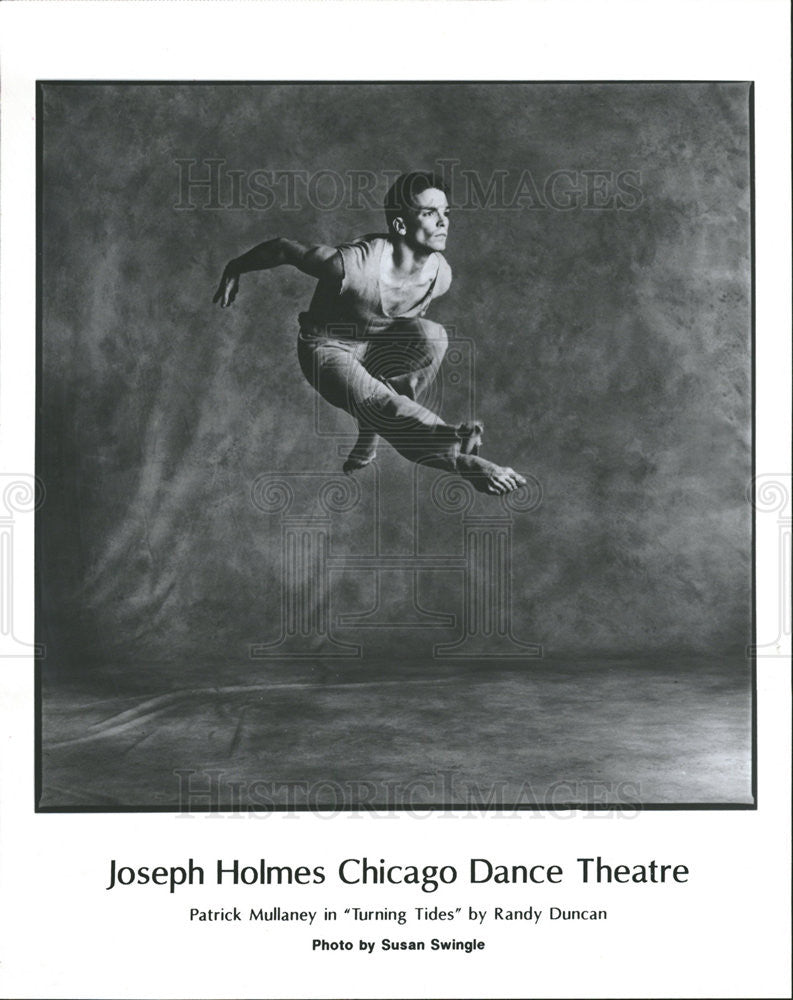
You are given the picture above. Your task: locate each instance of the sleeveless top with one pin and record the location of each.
(353, 308)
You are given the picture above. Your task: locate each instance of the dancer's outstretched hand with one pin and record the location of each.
(227, 289)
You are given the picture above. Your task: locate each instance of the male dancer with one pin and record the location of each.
(364, 343)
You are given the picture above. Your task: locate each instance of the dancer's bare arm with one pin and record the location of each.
(318, 261)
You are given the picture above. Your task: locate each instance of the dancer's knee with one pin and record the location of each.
(434, 338)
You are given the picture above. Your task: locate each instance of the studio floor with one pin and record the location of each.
(544, 732)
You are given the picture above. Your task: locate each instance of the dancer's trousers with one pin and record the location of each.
(379, 380)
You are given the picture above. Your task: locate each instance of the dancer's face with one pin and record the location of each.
(426, 225)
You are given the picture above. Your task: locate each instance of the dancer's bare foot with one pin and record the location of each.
(364, 452)
(487, 477)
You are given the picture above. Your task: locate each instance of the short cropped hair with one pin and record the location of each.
(403, 191)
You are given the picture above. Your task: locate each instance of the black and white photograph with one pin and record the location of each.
(397, 441)
(395, 517)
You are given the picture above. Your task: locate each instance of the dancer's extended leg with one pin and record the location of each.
(336, 371)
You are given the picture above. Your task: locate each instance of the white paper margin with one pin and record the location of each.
(725, 934)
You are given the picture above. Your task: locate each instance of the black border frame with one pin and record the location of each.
(556, 807)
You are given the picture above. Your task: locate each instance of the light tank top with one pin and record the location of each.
(354, 308)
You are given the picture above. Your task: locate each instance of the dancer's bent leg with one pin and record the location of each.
(335, 370)
(407, 358)
(364, 452)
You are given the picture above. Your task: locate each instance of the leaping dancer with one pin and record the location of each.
(364, 343)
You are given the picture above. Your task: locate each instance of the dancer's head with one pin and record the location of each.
(417, 211)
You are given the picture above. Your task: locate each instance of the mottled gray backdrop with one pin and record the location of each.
(612, 360)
